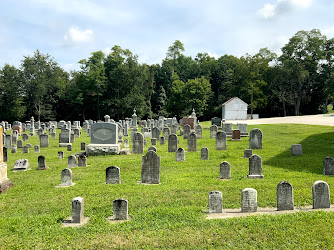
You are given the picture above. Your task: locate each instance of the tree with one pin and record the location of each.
(174, 52)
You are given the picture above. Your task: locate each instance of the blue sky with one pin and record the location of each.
(69, 30)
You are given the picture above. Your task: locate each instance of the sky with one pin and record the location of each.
(70, 30)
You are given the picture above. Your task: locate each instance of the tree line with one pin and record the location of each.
(299, 81)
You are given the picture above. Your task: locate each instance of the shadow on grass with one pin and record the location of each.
(315, 149)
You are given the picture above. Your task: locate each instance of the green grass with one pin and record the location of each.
(172, 214)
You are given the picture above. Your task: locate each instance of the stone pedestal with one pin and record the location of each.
(103, 149)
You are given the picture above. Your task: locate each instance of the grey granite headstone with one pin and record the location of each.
(64, 137)
(152, 148)
(77, 210)
(243, 129)
(255, 167)
(221, 140)
(213, 131)
(25, 149)
(44, 140)
(166, 133)
(14, 149)
(25, 137)
(192, 142)
(104, 133)
(172, 143)
(69, 147)
(198, 131)
(138, 144)
(186, 131)
(320, 195)
(328, 166)
(227, 128)
(5, 154)
(204, 153)
(82, 161)
(36, 149)
(66, 177)
(174, 128)
(248, 153)
(255, 139)
(150, 172)
(216, 121)
(248, 200)
(155, 133)
(83, 146)
(113, 175)
(284, 192)
(60, 154)
(120, 209)
(215, 202)
(41, 163)
(225, 170)
(180, 154)
(21, 165)
(72, 161)
(162, 140)
(19, 144)
(154, 141)
(28, 145)
(8, 141)
(296, 149)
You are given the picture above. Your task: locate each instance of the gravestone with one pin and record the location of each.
(66, 177)
(198, 131)
(14, 138)
(204, 153)
(320, 195)
(188, 120)
(180, 154)
(174, 128)
(64, 138)
(113, 175)
(53, 135)
(255, 139)
(328, 166)
(25, 137)
(215, 202)
(155, 133)
(21, 165)
(60, 154)
(19, 144)
(296, 149)
(162, 140)
(77, 210)
(172, 143)
(150, 172)
(213, 131)
(248, 153)
(126, 143)
(154, 141)
(138, 144)
(76, 133)
(166, 133)
(5, 183)
(186, 131)
(255, 167)
(25, 149)
(14, 149)
(83, 146)
(69, 147)
(41, 163)
(5, 154)
(72, 161)
(192, 142)
(227, 128)
(152, 148)
(82, 161)
(248, 200)
(126, 130)
(28, 145)
(236, 135)
(120, 209)
(221, 141)
(243, 129)
(8, 141)
(36, 149)
(225, 170)
(216, 121)
(72, 137)
(284, 192)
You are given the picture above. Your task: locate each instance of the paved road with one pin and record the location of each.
(322, 119)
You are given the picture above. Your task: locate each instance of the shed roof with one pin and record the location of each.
(232, 99)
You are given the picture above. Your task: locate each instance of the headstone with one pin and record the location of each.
(41, 163)
(8, 141)
(152, 148)
(225, 170)
(76, 133)
(198, 131)
(60, 154)
(215, 202)
(296, 149)
(134, 119)
(255, 139)
(284, 196)
(328, 166)
(138, 144)
(66, 177)
(19, 143)
(216, 121)
(248, 153)
(28, 145)
(64, 137)
(120, 209)
(255, 167)
(21, 165)
(174, 128)
(72, 161)
(172, 143)
(72, 138)
(227, 128)
(166, 133)
(25, 137)
(36, 149)
(14, 138)
(204, 153)
(248, 200)
(213, 131)
(155, 133)
(236, 135)
(162, 140)
(83, 146)
(243, 129)
(5, 154)
(126, 143)
(5, 183)
(82, 161)
(25, 149)
(14, 149)
(153, 141)
(180, 154)
(192, 142)
(189, 121)
(186, 131)
(320, 195)
(78, 210)
(69, 147)
(221, 141)
(150, 173)
(113, 175)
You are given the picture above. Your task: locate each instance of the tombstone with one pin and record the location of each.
(255, 139)
(77, 210)
(248, 200)
(14, 149)
(152, 148)
(155, 133)
(8, 141)
(5, 183)
(76, 133)
(134, 119)
(192, 142)
(189, 121)
(19, 143)
(72, 138)
(21, 165)
(198, 131)
(221, 141)
(215, 202)
(82, 161)
(14, 138)
(32, 126)
(25, 137)
(320, 195)
(41, 163)
(69, 147)
(120, 209)
(174, 128)
(284, 192)
(186, 131)
(126, 130)
(216, 121)
(227, 128)
(204, 154)
(248, 153)
(126, 143)
(60, 154)
(166, 133)
(36, 149)
(172, 143)
(113, 175)
(243, 129)
(138, 144)
(328, 166)
(5, 154)
(162, 140)
(25, 149)
(83, 146)
(72, 161)
(153, 141)
(296, 149)
(255, 167)
(64, 137)
(150, 172)
(225, 170)
(180, 154)
(28, 145)
(66, 178)
(236, 135)
(213, 131)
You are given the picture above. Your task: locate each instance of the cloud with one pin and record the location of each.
(329, 32)
(76, 36)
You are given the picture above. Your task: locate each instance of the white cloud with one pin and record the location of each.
(213, 55)
(76, 36)
(329, 32)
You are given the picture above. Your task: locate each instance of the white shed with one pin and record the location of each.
(234, 109)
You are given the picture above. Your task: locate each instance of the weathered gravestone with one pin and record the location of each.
(215, 202)
(25, 137)
(284, 196)
(174, 128)
(19, 144)
(36, 149)
(66, 178)
(296, 149)
(126, 143)
(138, 144)
(113, 175)
(8, 141)
(221, 141)
(188, 120)
(180, 154)
(72, 161)
(172, 143)
(25, 149)
(166, 133)
(204, 153)
(198, 131)
(255, 139)
(255, 167)
(69, 147)
(248, 200)
(5, 154)
(152, 148)
(243, 129)
(41, 163)
(5, 183)
(60, 154)
(154, 141)
(21, 165)
(82, 161)
(64, 138)
(227, 128)
(120, 209)
(155, 133)
(328, 166)
(225, 170)
(186, 131)
(213, 131)
(150, 172)
(216, 121)
(236, 135)
(14, 138)
(320, 195)
(14, 149)
(78, 210)
(192, 142)
(83, 146)
(76, 133)
(248, 153)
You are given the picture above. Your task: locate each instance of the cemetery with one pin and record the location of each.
(177, 187)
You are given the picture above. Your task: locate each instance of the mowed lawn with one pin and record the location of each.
(172, 214)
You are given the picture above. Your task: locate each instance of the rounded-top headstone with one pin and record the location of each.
(248, 200)
(284, 196)
(320, 195)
